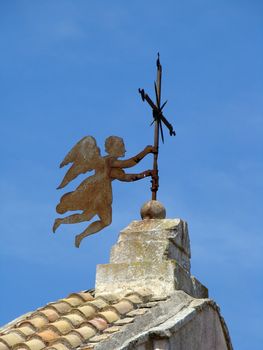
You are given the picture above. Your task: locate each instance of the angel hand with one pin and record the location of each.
(150, 149)
(148, 173)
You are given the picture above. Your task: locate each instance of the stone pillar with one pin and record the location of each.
(153, 254)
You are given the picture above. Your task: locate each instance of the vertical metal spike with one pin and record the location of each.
(161, 129)
(156, 95)
(163, 105)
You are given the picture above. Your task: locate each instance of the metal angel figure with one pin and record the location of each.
(94, 195)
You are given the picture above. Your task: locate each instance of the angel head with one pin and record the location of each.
(114, 146)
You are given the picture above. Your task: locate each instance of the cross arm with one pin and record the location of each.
(145, 97)
(167, 124)
(156, 111)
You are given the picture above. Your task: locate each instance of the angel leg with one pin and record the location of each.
(72, 219)
(105, 220)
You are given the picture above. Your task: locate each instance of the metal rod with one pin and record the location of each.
(155, 178)
(158, 119)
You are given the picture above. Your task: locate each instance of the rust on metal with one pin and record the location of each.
(158, 119)
(94, 195)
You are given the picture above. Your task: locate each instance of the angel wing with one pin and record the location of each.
(85, 155)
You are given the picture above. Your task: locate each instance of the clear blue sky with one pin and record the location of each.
(72, 68)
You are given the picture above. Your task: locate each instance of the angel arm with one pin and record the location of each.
(128, 163)
(119, 174)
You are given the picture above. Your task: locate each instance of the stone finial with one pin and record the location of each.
(153, 210)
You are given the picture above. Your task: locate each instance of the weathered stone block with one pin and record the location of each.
(198, 289)
(161, 278)
(173, 229)
(152, 254)
(136, 250)
(153, 240)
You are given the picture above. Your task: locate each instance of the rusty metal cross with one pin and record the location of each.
(158, 119)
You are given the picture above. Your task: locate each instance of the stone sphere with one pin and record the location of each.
(153, 210)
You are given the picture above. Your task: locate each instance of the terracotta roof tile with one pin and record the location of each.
(143, 293)
(98, 322)
(99, 303)
(74, 318)
(32, 344)
(84, 296)
(73, 301)
(123, 306)
(87, 347)
(109, 315)
(62, 326)
(112, 329)
(17, 331)
(135, 298)
(110, 298)
(86, 310)
(137, 312)
(78, 321)
(149, 304)
(124, 321)
(37, 321)
(74, 339)
(62, 307)
(3, 346)
(58, 346)
(27, 329)
(99, 338)
(48, 335)
(12, 338)
(50, 314)
(86, 331)
(61, 342)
